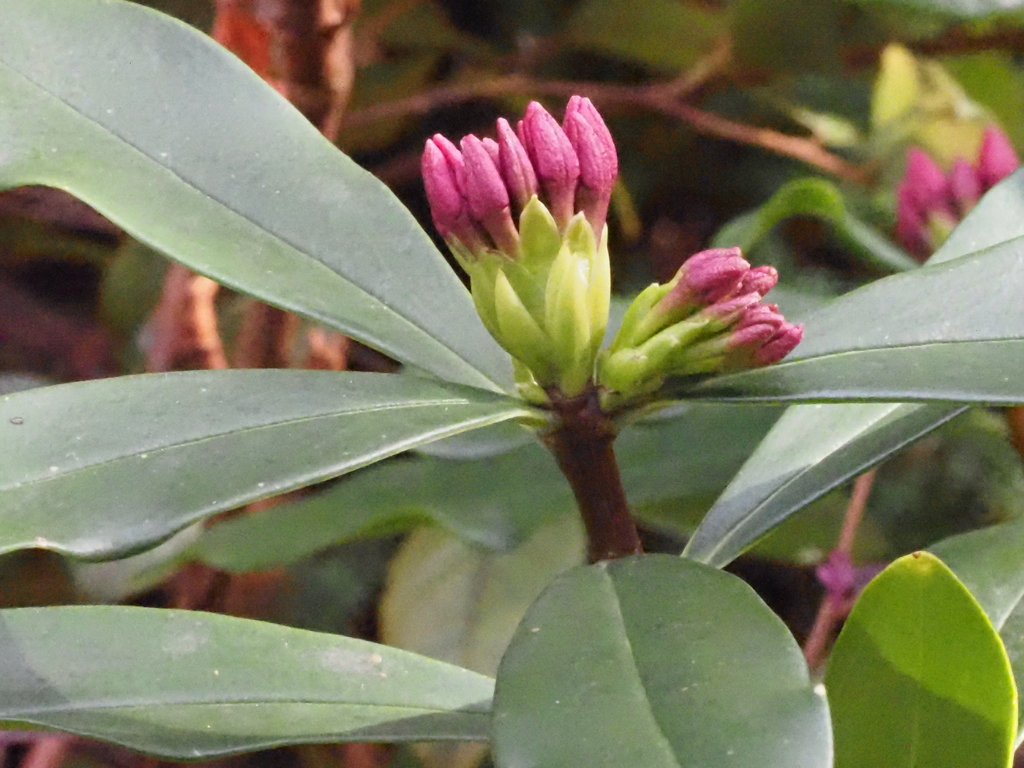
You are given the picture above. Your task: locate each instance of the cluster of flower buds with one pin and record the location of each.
(708, 319)
(930, 203)
(525, 217)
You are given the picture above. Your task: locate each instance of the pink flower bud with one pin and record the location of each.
(922, 192)
(756, 327)
(759, 280)
(780, 345)
(492, 149)
(997, 158)
(599, 162)
(514, 163)
(964, 186)
(554, 160)
(924, 182)
(705, 278)
(485, 192)
(441, 165)
(728, 311)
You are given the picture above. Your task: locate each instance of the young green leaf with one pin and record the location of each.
(187, 686)
(919, 677)
(174, 139)
(990, 563)
(103, 468)
(655, 661)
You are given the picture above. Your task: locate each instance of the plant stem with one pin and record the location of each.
(582, 446)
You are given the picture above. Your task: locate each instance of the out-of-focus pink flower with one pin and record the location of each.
(997, 158)
(929, 203)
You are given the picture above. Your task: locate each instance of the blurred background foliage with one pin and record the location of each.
(778, 125)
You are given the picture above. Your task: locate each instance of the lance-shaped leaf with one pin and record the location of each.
(811, 450)
(658, 662)
(951, 331)
(103, 468)
(185, 685)
(990, 563)
(918, 676)
(823, 446)
(174, 139)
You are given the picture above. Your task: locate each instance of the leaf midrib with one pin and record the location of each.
(273, 235)
(390, 407)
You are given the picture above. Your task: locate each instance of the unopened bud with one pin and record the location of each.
(599, 162)
(516, 168)
(780, 345)
(486, 195)
(924, 182)
(554, 160)
(997, 158)
(759, 280)
(964, 186)
(441, 165)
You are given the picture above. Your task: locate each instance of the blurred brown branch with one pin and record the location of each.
(662, 98)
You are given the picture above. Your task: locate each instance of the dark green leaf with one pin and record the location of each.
(789, 469)
(918, 676)
(189, 686)
(950, 331)
(99, 469)
(655, 661)
(672, 469)
(174, 139)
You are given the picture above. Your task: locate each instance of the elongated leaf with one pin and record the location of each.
(496, 502)
(188, 686)
(655, 661)
(990, 563)
(788, 470)
(838, 441)
(170, 136)
(100, 469)
(918, 676)
(952, 331)
(819, 199)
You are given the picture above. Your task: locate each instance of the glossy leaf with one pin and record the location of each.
(835, 442)
(670, 474)
(655, 661)
(187, 686)
(819, 199)
(811, 450)
(461, 604)
(100, 469)
(174, 139)
(990, 563)
(951, 331)
(918, 676)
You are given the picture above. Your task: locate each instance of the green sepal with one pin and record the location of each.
(481, 282)
(539, 239)
(629, 370)
(526, 384)
(635, 313)
(599, 294)
(519, 333)
(567, 319)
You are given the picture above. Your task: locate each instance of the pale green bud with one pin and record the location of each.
(519, 333)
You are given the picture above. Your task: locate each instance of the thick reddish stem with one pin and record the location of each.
(582, 446)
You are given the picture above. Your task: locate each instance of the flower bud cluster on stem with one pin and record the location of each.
(524, 214)
(708, 319)
(930, 203)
